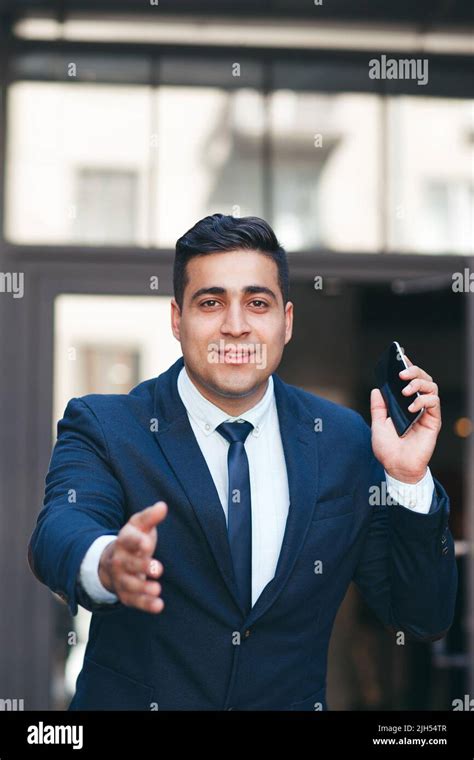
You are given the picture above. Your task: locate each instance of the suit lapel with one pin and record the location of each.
(183, 454)
(300, 449)
(179, 446)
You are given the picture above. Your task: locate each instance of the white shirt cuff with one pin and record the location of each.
(89, 572)
(415, 496)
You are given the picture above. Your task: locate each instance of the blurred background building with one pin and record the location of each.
(122, 124)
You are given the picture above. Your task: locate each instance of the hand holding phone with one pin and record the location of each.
(390, 364)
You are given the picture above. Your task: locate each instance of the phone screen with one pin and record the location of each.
(390, 364)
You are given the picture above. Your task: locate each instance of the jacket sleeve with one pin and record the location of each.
(407, 570)
(83, 500)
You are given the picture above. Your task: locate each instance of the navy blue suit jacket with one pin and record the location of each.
(201, 652)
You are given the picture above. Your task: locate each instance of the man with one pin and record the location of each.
(269, 501)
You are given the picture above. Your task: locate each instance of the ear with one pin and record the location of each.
(288, 321)
(175, 319)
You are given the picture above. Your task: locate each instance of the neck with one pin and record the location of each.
(234, 406)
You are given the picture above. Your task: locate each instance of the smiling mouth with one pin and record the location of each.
(237, 357)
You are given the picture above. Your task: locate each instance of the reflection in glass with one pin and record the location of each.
(325, 159)
(78, 163)
(431, 193)
(209, 156)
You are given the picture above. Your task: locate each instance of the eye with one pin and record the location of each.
(209, 301)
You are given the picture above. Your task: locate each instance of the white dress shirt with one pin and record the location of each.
(268, 483)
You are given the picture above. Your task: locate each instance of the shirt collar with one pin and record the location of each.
(208, 416)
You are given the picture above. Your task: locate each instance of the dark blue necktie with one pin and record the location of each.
(239, 517)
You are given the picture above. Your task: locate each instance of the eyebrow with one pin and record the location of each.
(216, 290)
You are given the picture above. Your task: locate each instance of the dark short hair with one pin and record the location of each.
(219, 233)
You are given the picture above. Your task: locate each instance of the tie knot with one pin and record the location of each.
(235, 431)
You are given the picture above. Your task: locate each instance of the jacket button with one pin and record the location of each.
(247, 633)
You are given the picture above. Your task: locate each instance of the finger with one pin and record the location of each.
(142, 565)
(420, 385)
(131, 584)
(414, 371)
(155, 569)
(132, 540)
(149, 517)
(428, 402)
(378, 409)
(144, 602)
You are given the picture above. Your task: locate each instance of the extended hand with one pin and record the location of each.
(407, 458)
(126, 562)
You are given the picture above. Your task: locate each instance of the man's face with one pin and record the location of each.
(233, 325)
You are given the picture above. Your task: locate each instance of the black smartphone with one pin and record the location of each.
(389, 365)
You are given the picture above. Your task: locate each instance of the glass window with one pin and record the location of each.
(78, 163)
(101, 165)
(107, 206)
(325, 170)
(136, 165)
(431, 193)
(209, 157)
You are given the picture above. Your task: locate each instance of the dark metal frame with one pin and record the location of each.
(426, 13)
(449, 73)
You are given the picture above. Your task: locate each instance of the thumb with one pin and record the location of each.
(149, 517)
(378, 409)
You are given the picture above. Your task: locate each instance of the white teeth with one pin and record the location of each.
(237, 356)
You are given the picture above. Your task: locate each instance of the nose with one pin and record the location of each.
(235, 321)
